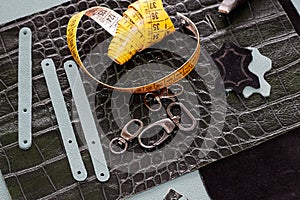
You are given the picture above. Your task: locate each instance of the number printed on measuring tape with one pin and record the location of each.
(142, 25)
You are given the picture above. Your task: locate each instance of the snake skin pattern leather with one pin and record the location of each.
(42, 172)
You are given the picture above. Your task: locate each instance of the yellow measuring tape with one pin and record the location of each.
(143, 24)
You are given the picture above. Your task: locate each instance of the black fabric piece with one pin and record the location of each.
(270, 171)
(292, 13)
(233, 62)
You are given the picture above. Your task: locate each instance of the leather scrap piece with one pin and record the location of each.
(233, 62)
(173, 195)
(259, 66)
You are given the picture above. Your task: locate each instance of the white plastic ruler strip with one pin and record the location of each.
(12, 10)
(4, 194)
(24, 89)
(67, 133)
(297, 5)
(87, 121)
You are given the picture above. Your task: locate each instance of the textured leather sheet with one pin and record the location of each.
(43, 172)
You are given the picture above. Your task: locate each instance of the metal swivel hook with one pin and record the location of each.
(164, 93)
(176, 119)
(126, 136)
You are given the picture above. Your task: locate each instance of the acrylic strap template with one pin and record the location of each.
(24, 89)
(67, 133)
(87, 121)
(4, 194)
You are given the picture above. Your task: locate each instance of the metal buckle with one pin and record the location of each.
(176, 119)
(168, 126)
(126, 136)
(163, 94)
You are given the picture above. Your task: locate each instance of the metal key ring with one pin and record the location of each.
(126, 136)
(120, 140)
(176, 118)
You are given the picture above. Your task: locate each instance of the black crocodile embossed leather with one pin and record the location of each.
(43, 171)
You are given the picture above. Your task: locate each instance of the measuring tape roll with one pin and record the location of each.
(142, 25)
(153, 24)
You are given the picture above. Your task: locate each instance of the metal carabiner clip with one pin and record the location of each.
(168, 126)
(164, 93)
(176, 118)
(126, 136)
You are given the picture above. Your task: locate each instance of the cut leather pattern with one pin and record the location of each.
(233, 63)
(37, 173)
(173, 195)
